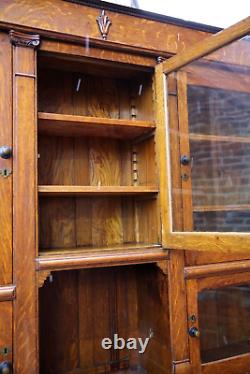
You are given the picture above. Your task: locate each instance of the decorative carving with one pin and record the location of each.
(24, 40)
(104, 24)
(42, 277)
(163, 266)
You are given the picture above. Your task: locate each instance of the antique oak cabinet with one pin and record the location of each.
(125, 191)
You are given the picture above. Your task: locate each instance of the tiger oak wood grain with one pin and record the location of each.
(68, 21)
(6, 330)
(25, 209)
(6, 139)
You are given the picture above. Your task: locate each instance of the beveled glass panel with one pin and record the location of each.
(224, 315)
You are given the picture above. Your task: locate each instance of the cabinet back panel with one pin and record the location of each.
(100, 221)
(84, 161)
(80, 308)
(96, 96)
(94, 161)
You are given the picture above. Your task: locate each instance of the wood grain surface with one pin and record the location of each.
(93, 304)
(6, 139)
(25, 210)
(6, 331)
(78, 22)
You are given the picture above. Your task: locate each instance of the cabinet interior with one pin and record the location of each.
(97, 169)
(81, 307)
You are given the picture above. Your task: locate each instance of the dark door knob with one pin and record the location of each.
(5, 367)
(185, 160)
(194, 332)
(5, 151)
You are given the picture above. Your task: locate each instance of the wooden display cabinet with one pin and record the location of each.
(98, 197)
(98, 189)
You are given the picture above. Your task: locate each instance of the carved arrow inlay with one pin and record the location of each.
(104, 24)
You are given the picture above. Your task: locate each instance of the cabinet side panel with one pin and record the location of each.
(25, 209)
(5, 139)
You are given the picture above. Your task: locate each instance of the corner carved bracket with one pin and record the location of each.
(24, 40)
(163, 266)
(42, 277)
(104, 24)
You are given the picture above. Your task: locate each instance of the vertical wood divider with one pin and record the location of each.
(6, 139)
(25, 202)
(176, 282)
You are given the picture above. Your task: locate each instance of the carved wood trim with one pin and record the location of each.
(163, 266)
(42, 277)
(24, 40)
(7, 293)
(104, 24)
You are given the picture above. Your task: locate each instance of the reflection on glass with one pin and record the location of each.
(218, 111)
(222, 221)
(213, 104)
(224, 315)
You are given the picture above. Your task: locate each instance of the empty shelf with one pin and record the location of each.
(53, 190)
(73, 125)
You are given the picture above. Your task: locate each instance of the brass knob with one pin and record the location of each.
(194, 332)
(5, 151)
(5, 367)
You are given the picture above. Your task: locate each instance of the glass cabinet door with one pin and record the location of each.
(207, 132)
(218, 319)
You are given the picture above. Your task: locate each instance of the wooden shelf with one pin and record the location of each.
(219, 138)
(96, 190)
(90, 257)
(221, 208)
(73, 125)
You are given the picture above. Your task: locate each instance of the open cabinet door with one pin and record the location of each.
(203, 112)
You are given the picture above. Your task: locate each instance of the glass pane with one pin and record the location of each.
(220, 173)
(224, 315)
(217, 111)
(209, 108)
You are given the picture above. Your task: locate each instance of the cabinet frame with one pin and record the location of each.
(198, 241)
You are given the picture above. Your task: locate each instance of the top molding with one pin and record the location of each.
(147, 15)
(24, 40)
